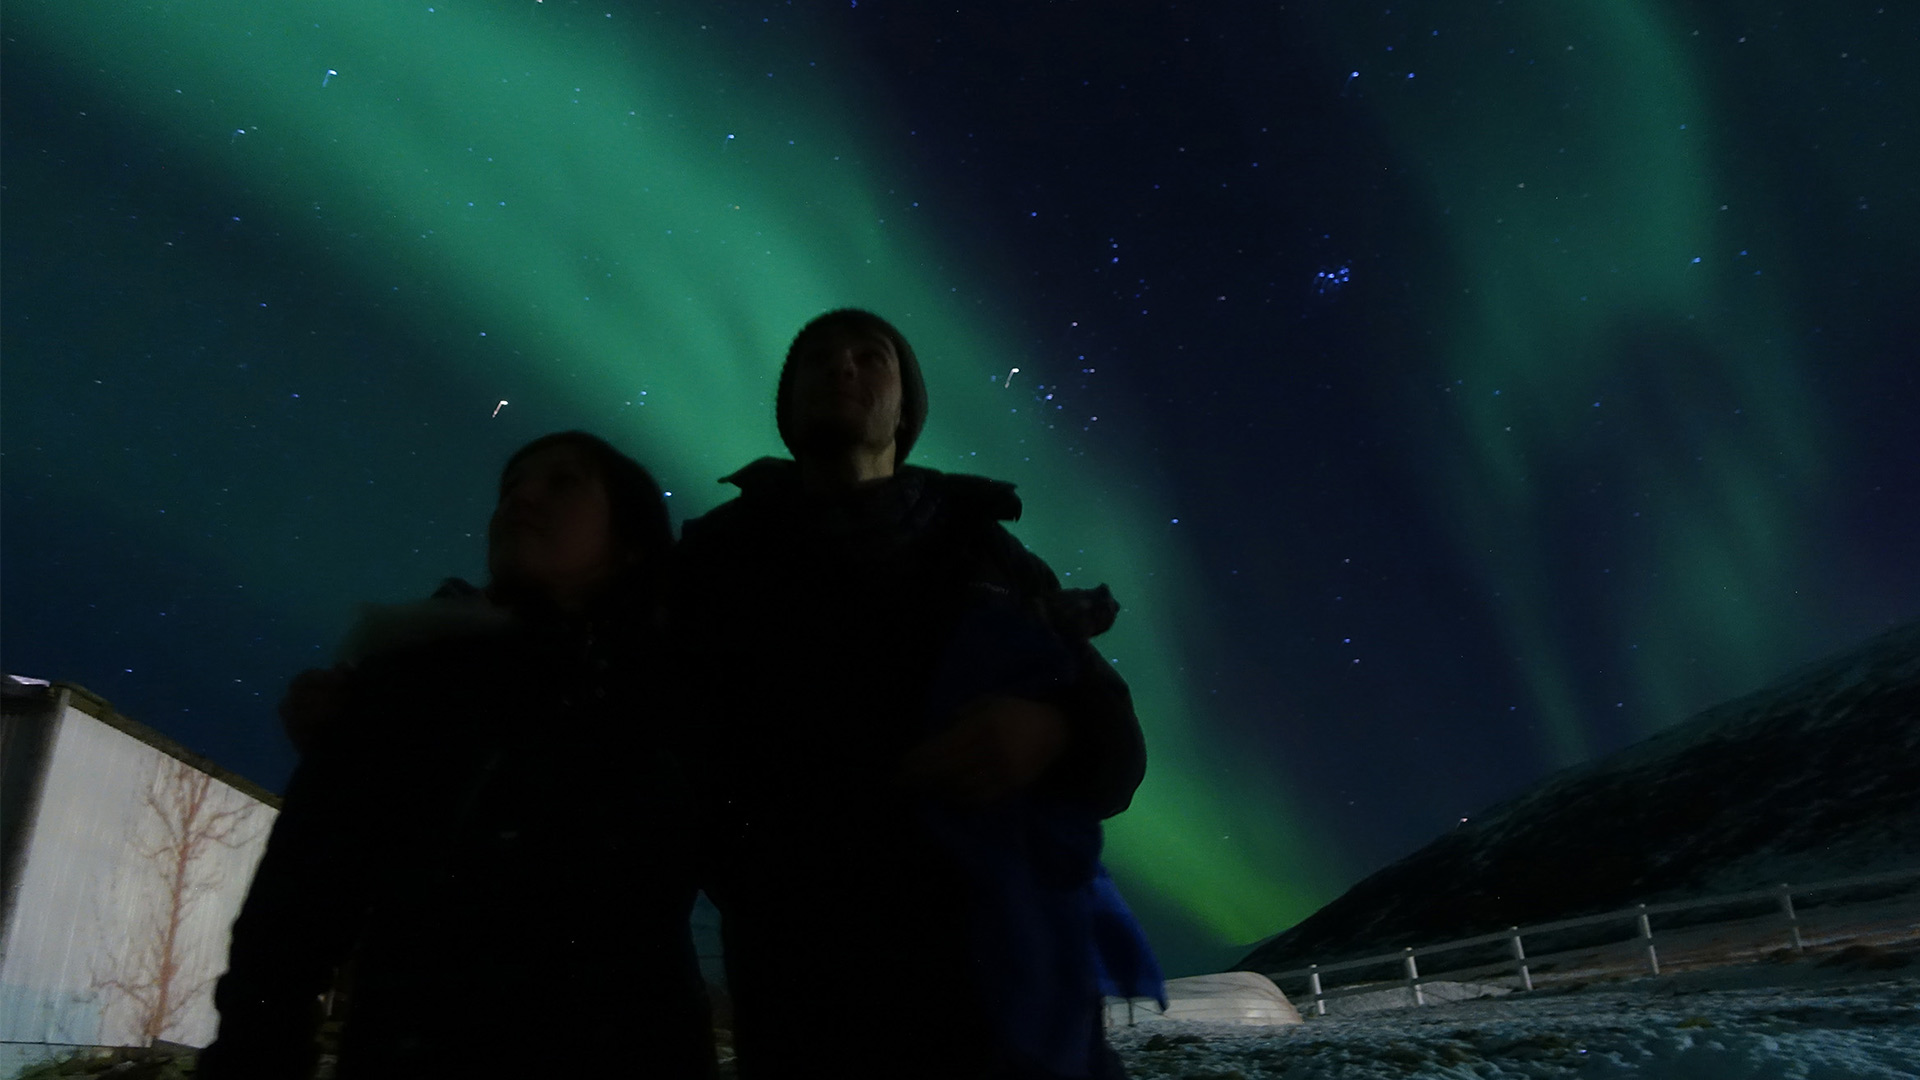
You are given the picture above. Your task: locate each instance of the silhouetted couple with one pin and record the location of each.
(851, 707)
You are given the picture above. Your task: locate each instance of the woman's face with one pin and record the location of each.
(552, 532)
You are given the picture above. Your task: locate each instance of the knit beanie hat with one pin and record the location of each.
(913, 387)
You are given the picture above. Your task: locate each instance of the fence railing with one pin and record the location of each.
(1785, 919)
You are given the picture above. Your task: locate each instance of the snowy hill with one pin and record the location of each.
(1815, 777)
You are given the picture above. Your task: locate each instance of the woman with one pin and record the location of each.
(489, 821)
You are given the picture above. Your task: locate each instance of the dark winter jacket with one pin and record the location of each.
(1051, 934)
(811, 633)
(495, 834)
(1124, 963)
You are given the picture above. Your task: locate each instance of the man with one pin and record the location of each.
(900, 727)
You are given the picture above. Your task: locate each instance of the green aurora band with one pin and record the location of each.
(629, 217)
(622, 208)
(1574, 188)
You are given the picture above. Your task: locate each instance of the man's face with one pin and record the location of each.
(846, 389)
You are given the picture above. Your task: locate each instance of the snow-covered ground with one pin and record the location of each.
(1801, 1021)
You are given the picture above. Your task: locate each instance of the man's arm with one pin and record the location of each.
(1104, 756)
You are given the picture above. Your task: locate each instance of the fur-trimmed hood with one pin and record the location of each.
(456, 609)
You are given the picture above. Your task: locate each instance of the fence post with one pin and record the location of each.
(1793, 920)
(1313, 979)
(1520, 956)
(1646, 934)
(1413, 979)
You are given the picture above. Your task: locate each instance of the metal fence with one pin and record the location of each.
(1780, 920)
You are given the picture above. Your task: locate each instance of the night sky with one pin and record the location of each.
(1449, 392)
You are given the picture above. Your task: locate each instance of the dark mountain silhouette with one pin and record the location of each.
(1813, 778)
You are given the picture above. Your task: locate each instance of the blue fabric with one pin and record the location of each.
(1045, 910)
(1123, 960)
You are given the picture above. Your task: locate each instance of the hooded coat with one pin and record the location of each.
(812, 634)
(496, 833)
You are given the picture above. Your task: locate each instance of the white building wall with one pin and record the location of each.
(127, 843)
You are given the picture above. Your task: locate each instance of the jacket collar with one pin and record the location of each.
(910, 497)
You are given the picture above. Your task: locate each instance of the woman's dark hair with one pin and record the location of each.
(636, 511)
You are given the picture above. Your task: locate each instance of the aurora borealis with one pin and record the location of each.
(1448, 395)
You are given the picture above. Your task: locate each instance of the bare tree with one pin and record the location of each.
(164, 969)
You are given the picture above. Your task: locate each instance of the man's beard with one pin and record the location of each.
(837, 436)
